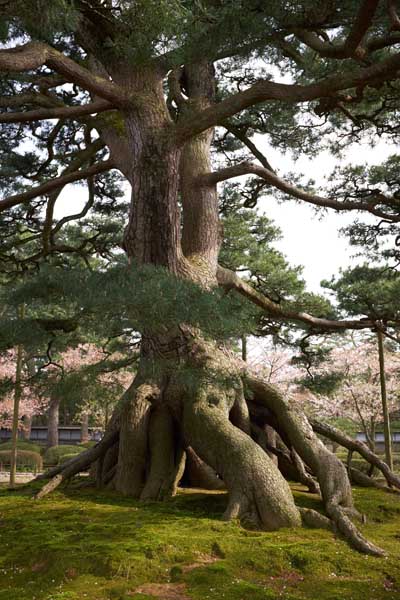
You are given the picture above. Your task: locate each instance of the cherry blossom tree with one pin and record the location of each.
(31, 403)
(356, 394)
(86, 377)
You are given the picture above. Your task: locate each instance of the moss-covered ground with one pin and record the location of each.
(82, 544)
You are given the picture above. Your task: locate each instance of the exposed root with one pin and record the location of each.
(199, 474)
(289, 462)
(78, 464)
(329, 470)
(165, 458)
(312, 518)
(133, 441)
(355, 446)
(360, 478)
(258, 493)
(350, 531)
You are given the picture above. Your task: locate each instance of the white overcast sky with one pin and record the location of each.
(311, 240)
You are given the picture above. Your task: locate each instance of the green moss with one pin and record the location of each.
(91, 545)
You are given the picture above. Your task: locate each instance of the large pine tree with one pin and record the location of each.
(137, 87)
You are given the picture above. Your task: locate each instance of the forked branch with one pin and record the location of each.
(231, 281)
(34, 55)
(197, 121)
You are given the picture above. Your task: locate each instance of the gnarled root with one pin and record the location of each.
(78, 464)
(258, 494)
(199, 474)
(356, 446)
(167, 459)
(288, 461)
(329, 470)
(83, 461)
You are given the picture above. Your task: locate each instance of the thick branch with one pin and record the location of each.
(247, 168)
(27, 98)
(36, 54)
(229, 280)
(197, 121)
(59, 112)
(351, 45)
(54, 184)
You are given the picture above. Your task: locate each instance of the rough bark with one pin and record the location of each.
(258, 494)
(328, 469)
(199, 474)
(133, 440)
(165, 456)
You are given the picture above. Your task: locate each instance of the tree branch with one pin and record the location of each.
(52, 185)
(43, 100)
(34, 55)
(247, 168)
(236, 131)
(230, 281)
(196, 121)
(351, 45)
(58, 112)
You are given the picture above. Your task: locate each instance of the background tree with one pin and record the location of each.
(346, 385)
(373, 292)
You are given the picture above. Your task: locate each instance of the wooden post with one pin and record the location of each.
(17, 398)
(386, 418)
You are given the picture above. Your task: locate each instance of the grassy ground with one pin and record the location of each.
(87, 545)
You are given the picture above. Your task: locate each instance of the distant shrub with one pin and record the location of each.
(55, 455)
(22, 445)
(31, 461)
(88, 444)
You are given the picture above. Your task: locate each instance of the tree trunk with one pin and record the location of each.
(15, 422)
(188, 392)
(386, 416)
(84, 428)
(27, 427)
(53, 422)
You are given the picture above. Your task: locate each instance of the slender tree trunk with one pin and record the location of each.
(53, 422)
(17, 398)
(386, 417)
(15, 423)
(84, 428)
(373, 434)
(27, 428)
(106, 415)
(27, 419)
